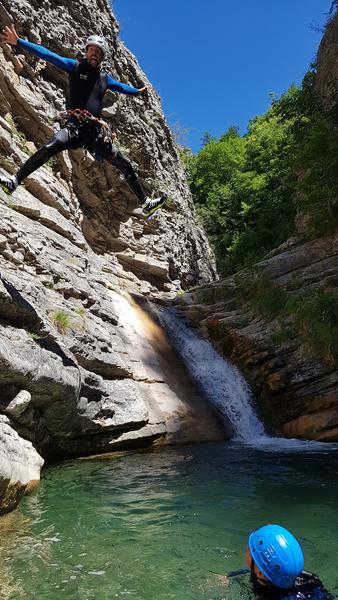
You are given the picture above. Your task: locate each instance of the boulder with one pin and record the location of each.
(20, 466)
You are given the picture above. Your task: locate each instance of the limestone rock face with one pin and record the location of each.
(296, 392)
(74, 376)
(327, 62)
(84, 201)
(20, 466)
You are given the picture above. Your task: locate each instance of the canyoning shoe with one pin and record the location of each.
(151, 205)
(8, 184)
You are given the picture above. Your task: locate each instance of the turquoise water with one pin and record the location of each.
(158, 525)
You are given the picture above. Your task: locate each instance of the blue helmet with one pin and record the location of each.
(277, 554)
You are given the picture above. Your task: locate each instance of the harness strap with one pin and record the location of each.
(85, 116)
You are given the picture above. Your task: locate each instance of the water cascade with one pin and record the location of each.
(223, 384)
(220, 381)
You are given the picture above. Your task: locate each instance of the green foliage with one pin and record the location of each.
(62, 321)
(214, 166)
(314, 157)
(51, 162)
(311, 316)
(218, 293)
(206, 138)
(185, 155)
(283, 334)
(123, 146)
(21, 137)
(81, 311)
(35, 336)
(264, 296)
(242, 191)
(11, 204)
(248, 189)
(316, 318)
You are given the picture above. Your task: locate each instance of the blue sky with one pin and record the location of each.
(215, 63)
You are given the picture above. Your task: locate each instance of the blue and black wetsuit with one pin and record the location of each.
(307, 587)
(87, 87)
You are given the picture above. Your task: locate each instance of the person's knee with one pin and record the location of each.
(57, 143)
(106, 151)
(124, 166)
(51, 148)
(63, 136)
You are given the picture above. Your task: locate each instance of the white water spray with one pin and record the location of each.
(220, 381)
(226, 388)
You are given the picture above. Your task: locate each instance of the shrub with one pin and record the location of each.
(62, 321)
(315, 315)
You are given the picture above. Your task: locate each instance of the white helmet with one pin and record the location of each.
(97, 40)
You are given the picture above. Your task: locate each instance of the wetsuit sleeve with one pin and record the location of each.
(123, 88)
(66, 64)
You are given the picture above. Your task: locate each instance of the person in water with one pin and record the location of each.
(275, 562)
(83, 127)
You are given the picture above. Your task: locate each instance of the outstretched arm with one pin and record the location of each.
(9, 36)
(123, 88)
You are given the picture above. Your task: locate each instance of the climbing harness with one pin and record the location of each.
(82, 116)
(75, 118)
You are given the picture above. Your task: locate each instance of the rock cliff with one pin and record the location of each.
(297, 394)
(296, 390)
(78, 371)
(327, 63)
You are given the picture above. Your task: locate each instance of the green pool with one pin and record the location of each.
(158, 525)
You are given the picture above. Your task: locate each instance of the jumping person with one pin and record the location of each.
(275, 562)
(83, 127)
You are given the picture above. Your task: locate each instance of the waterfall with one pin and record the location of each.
(221, 382)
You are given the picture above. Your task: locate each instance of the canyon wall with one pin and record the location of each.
(70, 252)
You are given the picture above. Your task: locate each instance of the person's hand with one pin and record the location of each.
(9, 36)
(142, 90)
